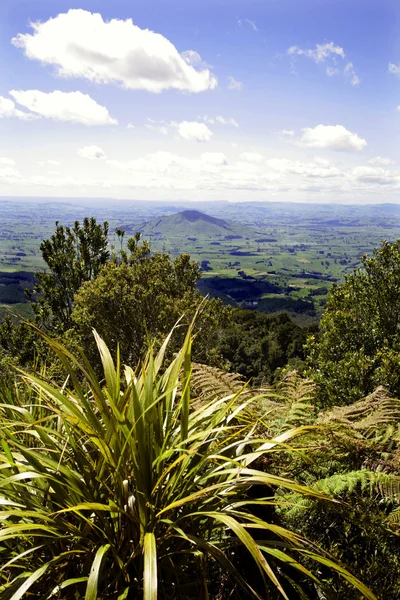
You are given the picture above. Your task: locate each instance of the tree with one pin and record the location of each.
(359, 345)
(73, 255)
(256, 345)
(136, 301)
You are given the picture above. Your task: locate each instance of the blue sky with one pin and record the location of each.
(292, 100)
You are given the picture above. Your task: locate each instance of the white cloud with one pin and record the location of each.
(375, 176)
(210, 174)
(350, 74)
(74, 107)
(130, 126)
(225, 121)
(91, 152)
(191, 57)
(394, 69)
(188, 130)
(45, 163)
(286, 132)
(249, 22)
(381, 161)
(251, 157)
(62, 182)
(193, 130)
(333, 137)
(331, 71)
(214, 158)
(9, 162)
(8, 109)
(159, 126)
(328, 53)
(81, 44)
(318, 168)
(252, 24)
(234, 84)
(320, 53)
(9, 175)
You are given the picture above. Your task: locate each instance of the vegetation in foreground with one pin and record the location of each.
(133, 488)
(93, 461)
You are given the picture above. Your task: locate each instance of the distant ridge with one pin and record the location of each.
(196, 215)
(190, 223)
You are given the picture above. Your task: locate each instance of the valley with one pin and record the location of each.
(271, 257)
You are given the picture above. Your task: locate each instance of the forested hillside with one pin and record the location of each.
(159, 444)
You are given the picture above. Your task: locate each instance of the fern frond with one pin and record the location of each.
(394, 517)
(298, 395)
(375, 418)
(343, 484)
(208, 381)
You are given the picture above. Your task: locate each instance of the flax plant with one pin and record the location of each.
(123, 488)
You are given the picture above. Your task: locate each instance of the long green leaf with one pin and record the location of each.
(150, 567)
(95, 572)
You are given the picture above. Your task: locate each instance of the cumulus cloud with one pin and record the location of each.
(188, 130)
(227, 121)
(234, 84)
(8, 109)
(49, 162)
(375, 176)
(74, 107)
(193, 130)
(214, 158)
(81, 44)
(251, 157)
(130, 126)
(318, 168)
(213, 173)
(9, 162)
(381, 161)
(92, 153)
(328, 53)
(333, 137)
(9, 175)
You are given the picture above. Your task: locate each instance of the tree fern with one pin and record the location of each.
(376, 416)
(298, 394)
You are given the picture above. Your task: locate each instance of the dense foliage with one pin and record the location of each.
(130, 489)
(360, 341)
(135, 302)
(232, 476)
(257, 345)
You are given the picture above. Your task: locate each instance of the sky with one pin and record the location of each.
(261, 100)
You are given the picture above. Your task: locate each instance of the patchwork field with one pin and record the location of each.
(265, 256)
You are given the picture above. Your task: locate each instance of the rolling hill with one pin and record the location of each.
(193, 223)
